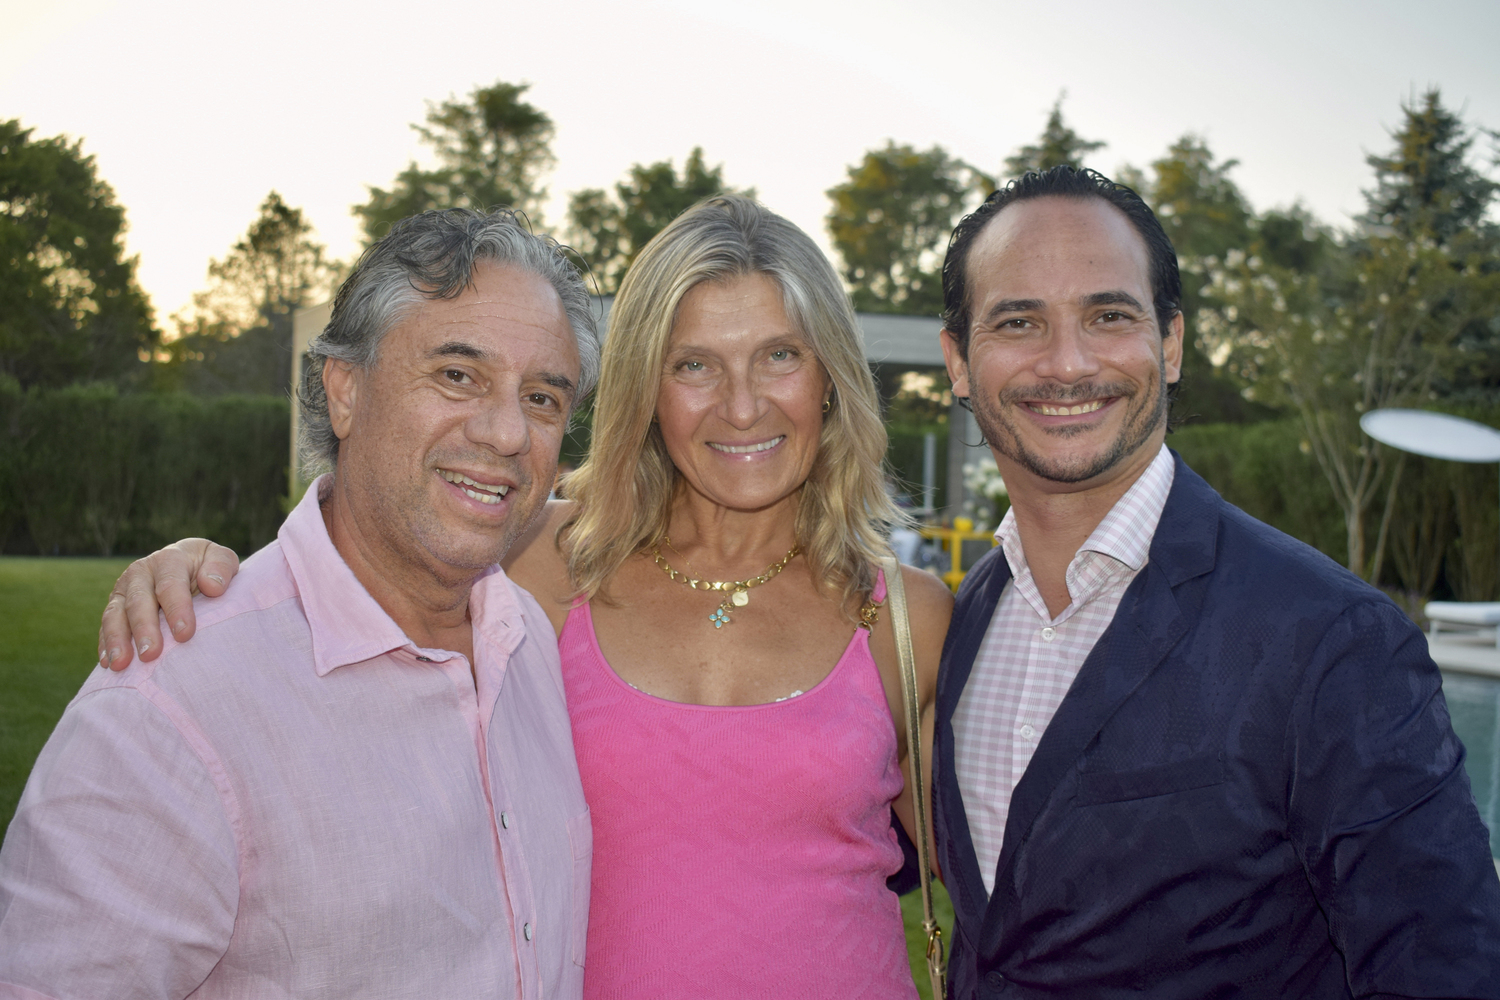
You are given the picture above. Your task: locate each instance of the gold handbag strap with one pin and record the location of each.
(896, 592)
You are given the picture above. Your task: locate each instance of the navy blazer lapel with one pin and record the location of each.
(972, 611)
(1147, 624)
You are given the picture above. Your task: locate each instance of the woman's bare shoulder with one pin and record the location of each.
(534, 560)
(926, 594)
(929, 605)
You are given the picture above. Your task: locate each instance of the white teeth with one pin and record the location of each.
(747, 449)
(485, 494)
(1068, 411)
(483, 497)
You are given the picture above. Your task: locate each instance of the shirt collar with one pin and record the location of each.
(1126, 531)
(347, 624)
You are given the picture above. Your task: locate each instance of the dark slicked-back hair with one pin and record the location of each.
(1065, 182)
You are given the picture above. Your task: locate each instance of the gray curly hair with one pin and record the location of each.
(430, 256)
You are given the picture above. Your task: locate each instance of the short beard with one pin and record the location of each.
(1142, 420)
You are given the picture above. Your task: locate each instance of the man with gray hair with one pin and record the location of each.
(360, 780)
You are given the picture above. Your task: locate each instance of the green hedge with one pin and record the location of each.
(85, 470)
(1444, 531)
(1264, 470)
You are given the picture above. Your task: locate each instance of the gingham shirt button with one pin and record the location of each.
(1048, 633)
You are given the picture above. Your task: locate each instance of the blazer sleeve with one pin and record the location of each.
(910, 876)
(119, 876)
(1381, 813)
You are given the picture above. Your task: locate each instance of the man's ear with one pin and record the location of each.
(958, 368)
(341, 386)
(1171, 348)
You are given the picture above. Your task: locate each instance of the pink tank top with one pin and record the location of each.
(741, 851)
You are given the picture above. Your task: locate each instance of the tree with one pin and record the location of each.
(1058, 145)
(608, 232)
(891, 221)
(492, 150)
(70, 307)
(1426, 188)
(1334, 328)
(1206, 216)
(237, 337)
(274, 268)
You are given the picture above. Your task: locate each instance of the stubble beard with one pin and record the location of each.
(1146, 412)
(414, 529)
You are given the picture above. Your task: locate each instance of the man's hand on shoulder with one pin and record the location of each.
(162, 583)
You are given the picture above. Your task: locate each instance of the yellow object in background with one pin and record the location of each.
(960, 555)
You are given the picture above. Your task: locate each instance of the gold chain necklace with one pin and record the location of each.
(739, 590)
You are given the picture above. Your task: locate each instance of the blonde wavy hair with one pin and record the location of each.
(624, 490)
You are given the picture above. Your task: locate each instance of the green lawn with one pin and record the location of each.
(49, 623)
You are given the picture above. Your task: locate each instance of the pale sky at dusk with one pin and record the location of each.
(195, 111)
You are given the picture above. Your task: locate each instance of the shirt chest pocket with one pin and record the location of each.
(581, 842)
(1099, 787)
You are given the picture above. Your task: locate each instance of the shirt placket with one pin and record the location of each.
(1047, 656)
(1037, 699)
(1024, 731)
(465, 679)
(494, 652)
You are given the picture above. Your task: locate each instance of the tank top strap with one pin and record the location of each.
(878, 594)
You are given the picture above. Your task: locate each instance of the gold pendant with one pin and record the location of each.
(740, 598)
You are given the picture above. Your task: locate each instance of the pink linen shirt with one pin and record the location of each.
(1028, 659)
(300, 802)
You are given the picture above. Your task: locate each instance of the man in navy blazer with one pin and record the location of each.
(1244, 781)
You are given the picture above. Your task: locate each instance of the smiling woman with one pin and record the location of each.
(731, 676)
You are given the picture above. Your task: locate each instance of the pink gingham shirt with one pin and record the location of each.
(1028, 659)
(301, 803)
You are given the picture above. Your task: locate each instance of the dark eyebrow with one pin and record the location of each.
(1115, 298)
(458, 349)
(1011, 306)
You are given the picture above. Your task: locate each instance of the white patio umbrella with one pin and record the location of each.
(1438, 435)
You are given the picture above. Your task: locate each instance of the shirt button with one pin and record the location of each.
(994, 980)
(526, 929)
(1049, 633)
(505, 820)
(1028, 732)
(424, 659)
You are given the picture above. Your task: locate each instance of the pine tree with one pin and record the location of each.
(1426, 187)
(1058, 145)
